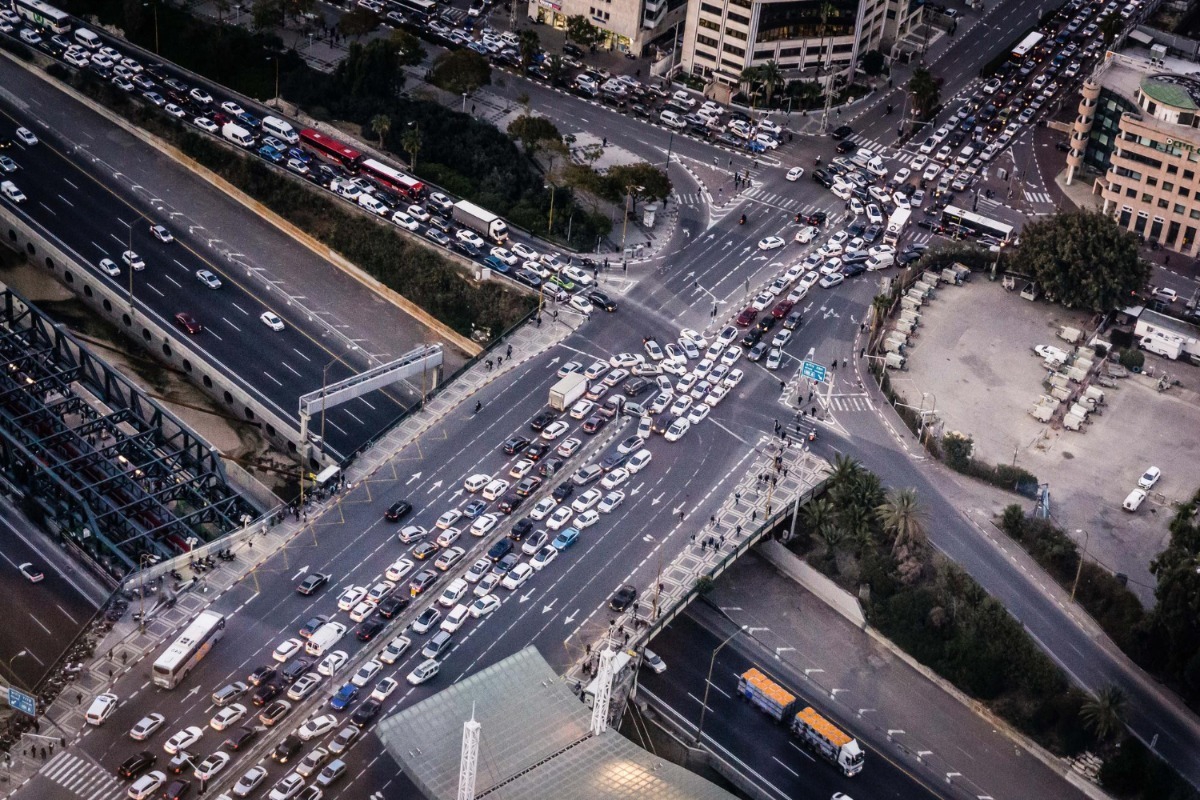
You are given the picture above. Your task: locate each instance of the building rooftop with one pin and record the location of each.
(534, 743)
(1178, 91)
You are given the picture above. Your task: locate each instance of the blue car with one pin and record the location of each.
(270, 154)
(299, 154)
(474, 508)
(344, 697)
(565, 538)
(249, 120)
(496, 264)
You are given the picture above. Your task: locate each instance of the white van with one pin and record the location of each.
(237, 134)
(324, 638)
(672, 120)
(876, 167)
(881, 261)
(862, 156)
(10, 190)
(371, 204)
(1134, 500)
(346, 188)
(277, 127)
(88, 39)
(101, 708)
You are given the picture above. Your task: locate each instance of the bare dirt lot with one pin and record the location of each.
(972, 359)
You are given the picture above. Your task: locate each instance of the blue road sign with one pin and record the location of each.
(813, 370)
(22, 702)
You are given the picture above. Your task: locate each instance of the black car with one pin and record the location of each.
(543, 419)
(505, 564)
(287, 748)
(551, 466)
(757, 352)
(856, 228)
(637, 386)
(872, 234)
(393, 605)
(614, 460)
(816, 218)
(366, 712)
(601, 300)
(846, 146)
(563, 491)
(509, 503)
(177, 790)
(767, 323)
(312, 583)
(527, 485)
(295, 668)
(536, 450)
(514, 445)
(528, 276)
(624, 598)
(500, 549)
(422, 581)
(368, 629)
(852, 269)
(842, 132)
(793, 320)
(751, 338)
(823, 177)
(573, 50)
(466, 248)
(137, 764)
(520, 529)
(242, 737)
(264, 674)
(398, 511)
(908, 257)
(266, 693)
(857, 257)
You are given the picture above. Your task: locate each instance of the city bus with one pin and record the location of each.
(896, 226)
(958, 219)
(406, 185)
(329, 147)
(191, 646)
(1026, 46)
(420, 9)
(43, 15)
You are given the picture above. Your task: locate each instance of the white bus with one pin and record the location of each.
(896, 226)
(421, 9)
(43, 15)
(959, 220)
(1026, 46)
(191, 646)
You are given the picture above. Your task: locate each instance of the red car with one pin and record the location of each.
(782, 310)
(189, 323)
(746, 318)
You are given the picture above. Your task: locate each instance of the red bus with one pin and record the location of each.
(406, 185)
(345, 155)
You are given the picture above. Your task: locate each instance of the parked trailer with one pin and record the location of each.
(894, 360)
(819, 734)
(564, 393)
(481, 221)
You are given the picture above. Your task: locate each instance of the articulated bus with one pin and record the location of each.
(43, 15)
(1026, 46)
(329, 147)
(191, 646)
(406, 185)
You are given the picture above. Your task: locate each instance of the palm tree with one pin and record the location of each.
(771, 76)
(751, 77)
(844, 470)
(530, 46)
(410, 140)
(818, 515)
(832, 537)
(556, 68)
(1104, 714)
(381, 124)
(855, 523)
(924, 91)
(901, 515)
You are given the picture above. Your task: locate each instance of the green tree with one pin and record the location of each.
(873, 62)
(410, 140)
(409, 50)
(265, 14)
(1104, 713)
(641, 180)
(771, 76)
(902, 517)
(381, 126)
(460, 71)
(582, 31)
(357, 22)
(529, 45)
(751, 78)
(924, 93)
(370, 72)
(833, 538)
(818, 514)
(556, 69)
(845, 469)
(1084, 259)
(532, 131)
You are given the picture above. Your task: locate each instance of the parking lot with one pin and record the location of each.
(972, 360)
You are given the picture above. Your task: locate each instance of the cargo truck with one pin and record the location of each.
(481, 221)
(564, 393)
(818, 734)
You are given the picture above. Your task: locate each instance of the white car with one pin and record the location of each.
(762, 300)
(615, 478)
(447, 537)
(698, 412)
(380, 591)
(521, 468)
(398, 569)
(517, 576)
(350, 597)
(207, 769)
(771, 243)
(526, 252)
(333, 662)
(652, 662)
(425, 671)
(543, 508)
(205, 124)
(383, 690)
(484, 606)
(1149, 478)
(543, 557)
(366, 673)
(653, 350)
(150, 723)
(286, 787)
(626, 360)
(162, 234)
(183, 739)
(559, 518)
(452, 516)
(505, 255)
(405, 221)
(455, 618)
(490, 492)
(133, 260)
(534, 542)
(795, 173)
(806, 234)
(146, 786)
(26, 136)
(582, 409)
(227, 716)
(489, 582)
(271, 320)
(677, 429)
(919, 163)
(581, 304)
(931, 171)
(249, 781)
(477, 482)
(555, 430)
(317, 726)
(485, 524)
(830, 281)
(586, 500)
(232, 109)
(395, 650)
(287, 649)
(587, 519)
(362, 611)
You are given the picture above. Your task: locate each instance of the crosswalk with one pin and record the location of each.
(83, 778)
(1039, 197)
(850, 402)
(782, 201)
(878, 148)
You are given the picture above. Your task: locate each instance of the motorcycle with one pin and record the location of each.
(742, 221)
(818, 161)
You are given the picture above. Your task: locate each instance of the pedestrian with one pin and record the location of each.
(782, 386)
(625, 266)
(738, 529)
(776, 424)
(626, 637)
(1166, 261)
(79, 698)
(499, 360)
(587, 649)
(737, 498)
(843, 363)
(539, 320)
(124, 658)
(51, 749)
(604, 142)
(693, 538)
(488, 364)
(754, 516)
(472, 108)
(721, 541)
(785, 472)
(712, 519)
(681, 516)
(862, 352)
(862, 327)
(43, 754)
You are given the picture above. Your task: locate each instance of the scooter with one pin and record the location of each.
(742, 221)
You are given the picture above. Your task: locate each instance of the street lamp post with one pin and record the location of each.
(275, 99)
(142, 564)
(129, 267)
(464, 102)
(550, 220)
(708, 681)
(1079, 570)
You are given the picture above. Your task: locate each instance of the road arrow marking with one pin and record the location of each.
(556, 359)
(677, 509)
(687, 234)
(525, 597)
(549, 607)
(571, 618)
(415, 476)
(300, 572)
(637, 489)
(194, 690)
(436, 485)
(459, 493)
(710, 237)
(658, 499)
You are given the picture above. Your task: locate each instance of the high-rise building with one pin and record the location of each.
(628, 25)
(1136, 138)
